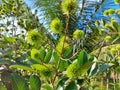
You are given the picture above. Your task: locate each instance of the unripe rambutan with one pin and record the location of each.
(118, 47)
(69, 6)
(78, 34)
(117, 11)
(117, 1)
(106, 13)
(113, 50)
(107, 38)
(35, 54)
(111, 11)
(56, 26)
(33, 37)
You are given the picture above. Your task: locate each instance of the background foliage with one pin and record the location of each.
(84, 53)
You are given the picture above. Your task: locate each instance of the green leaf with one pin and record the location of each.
(10, 39)
(82, 58)
(35, 82)
(117, 69)
(48, 57)
(61, 83)
(37, 66)
(71, 86)
(18, 83)
(104, 67)
(47, 87)
(103, 22)
(56, 57)
(63, 65)
(80, 81)
(85, 68)
(21, 67)
(42, 54)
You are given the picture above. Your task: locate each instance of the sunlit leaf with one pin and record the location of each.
(48, 57)
(22, 67)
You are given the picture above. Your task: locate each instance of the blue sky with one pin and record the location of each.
(30, 3)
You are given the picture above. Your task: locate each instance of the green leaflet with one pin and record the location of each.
(22, 67)
(35, 82)
(18, 83)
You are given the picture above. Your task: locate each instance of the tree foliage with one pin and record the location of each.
(72, 52)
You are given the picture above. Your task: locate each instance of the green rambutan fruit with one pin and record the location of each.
(106, 13)
(69, 6)
(117, 11)
(56, 26)
(117, 1)
(111, 11)
(113, 50)
(107, 38)
(3, 11)
(118, 47)
(33, 37)
(35, 55)
(78, 34)
(14, 9)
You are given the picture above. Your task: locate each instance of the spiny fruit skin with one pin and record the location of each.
(78, 34)
(33, 37)
(46, 70)
(107, 38)
(117, 1)
(113, 50)
(73, 70)
(69, 6)
(35, 54)
(117, 11)
(118, 47)
(106, 13)
(56, 26)
(111, 11)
